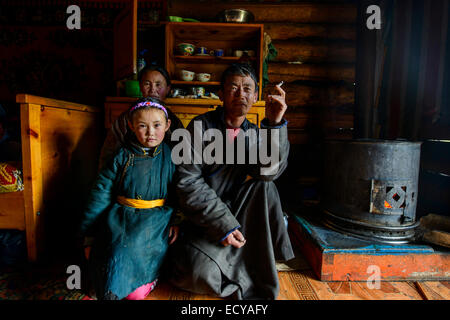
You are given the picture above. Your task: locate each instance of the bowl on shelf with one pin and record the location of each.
(236, 16)
(186, 49)
(238, 53)
(187, 75)
(203, 77)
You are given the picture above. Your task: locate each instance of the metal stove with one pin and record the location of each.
(369, 189)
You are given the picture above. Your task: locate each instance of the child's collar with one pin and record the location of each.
(139, 149)
(153, 152)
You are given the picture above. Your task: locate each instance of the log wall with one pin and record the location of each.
(316, 44)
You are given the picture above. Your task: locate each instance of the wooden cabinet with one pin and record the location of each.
(134, 33)
(131, 36)
(185, 109)
(226, 36)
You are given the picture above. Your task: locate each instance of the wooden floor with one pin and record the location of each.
(302, 284)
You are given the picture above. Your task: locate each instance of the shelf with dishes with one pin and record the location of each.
(195, 83)
(197, 54)
(212, 59)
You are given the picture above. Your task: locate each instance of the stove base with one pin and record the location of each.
(387, 235)
(337, 257)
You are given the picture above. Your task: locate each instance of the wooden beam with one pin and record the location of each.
(263, 12)
(291, 30)
(300, 95)
(32, 175)
(31, 99)
(314, 51)
(310, 72)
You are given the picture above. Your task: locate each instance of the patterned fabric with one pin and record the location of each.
(10, 180)
(16, 285)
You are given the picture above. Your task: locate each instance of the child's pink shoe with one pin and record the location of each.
(142, 292)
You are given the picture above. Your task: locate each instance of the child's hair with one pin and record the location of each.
(146, 104)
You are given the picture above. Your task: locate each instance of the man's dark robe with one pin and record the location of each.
(216, 199)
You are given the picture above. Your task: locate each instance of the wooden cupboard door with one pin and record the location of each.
(253, 118)
(125, 41)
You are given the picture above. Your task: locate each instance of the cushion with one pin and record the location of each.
(10, 178)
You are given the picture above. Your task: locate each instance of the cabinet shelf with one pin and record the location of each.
(226, 36)
(212, 59)
(196, 83)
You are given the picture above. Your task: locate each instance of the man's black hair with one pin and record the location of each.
(155, 67)
(239, 69)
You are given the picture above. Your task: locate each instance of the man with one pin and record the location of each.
(234, 229)
(154, 81)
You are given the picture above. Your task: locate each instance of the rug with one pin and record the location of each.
(31, 284)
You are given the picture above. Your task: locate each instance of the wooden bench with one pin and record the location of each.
(60, 140)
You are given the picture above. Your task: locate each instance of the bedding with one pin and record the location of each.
(10, 178)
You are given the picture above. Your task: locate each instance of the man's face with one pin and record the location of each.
(238, 95)
(153, 84)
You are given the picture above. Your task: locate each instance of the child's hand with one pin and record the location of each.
(173, 234)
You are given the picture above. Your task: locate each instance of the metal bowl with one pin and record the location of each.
(236, 16)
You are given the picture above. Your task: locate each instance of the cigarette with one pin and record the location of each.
(280, 84)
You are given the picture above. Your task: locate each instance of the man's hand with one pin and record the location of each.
(173, 234)
(276, 106)
(236, 239)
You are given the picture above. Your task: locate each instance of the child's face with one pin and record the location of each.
(149, 126)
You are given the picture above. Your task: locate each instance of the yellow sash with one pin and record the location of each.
(140, 204)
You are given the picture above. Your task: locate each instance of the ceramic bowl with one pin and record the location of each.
(186, 49)
(203, 77)
(238, 53)
(187, 75)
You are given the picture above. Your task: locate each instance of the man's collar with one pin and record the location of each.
(221, 110)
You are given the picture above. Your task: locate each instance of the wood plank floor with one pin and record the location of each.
(302, 284)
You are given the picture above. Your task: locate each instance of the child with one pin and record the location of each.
(128, 211)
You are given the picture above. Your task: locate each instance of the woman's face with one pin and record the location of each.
(149, 126)
(153, 84)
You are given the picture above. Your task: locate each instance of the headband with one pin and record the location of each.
(150, 104)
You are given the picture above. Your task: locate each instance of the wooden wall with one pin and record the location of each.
(316, 44)
(316, 59)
